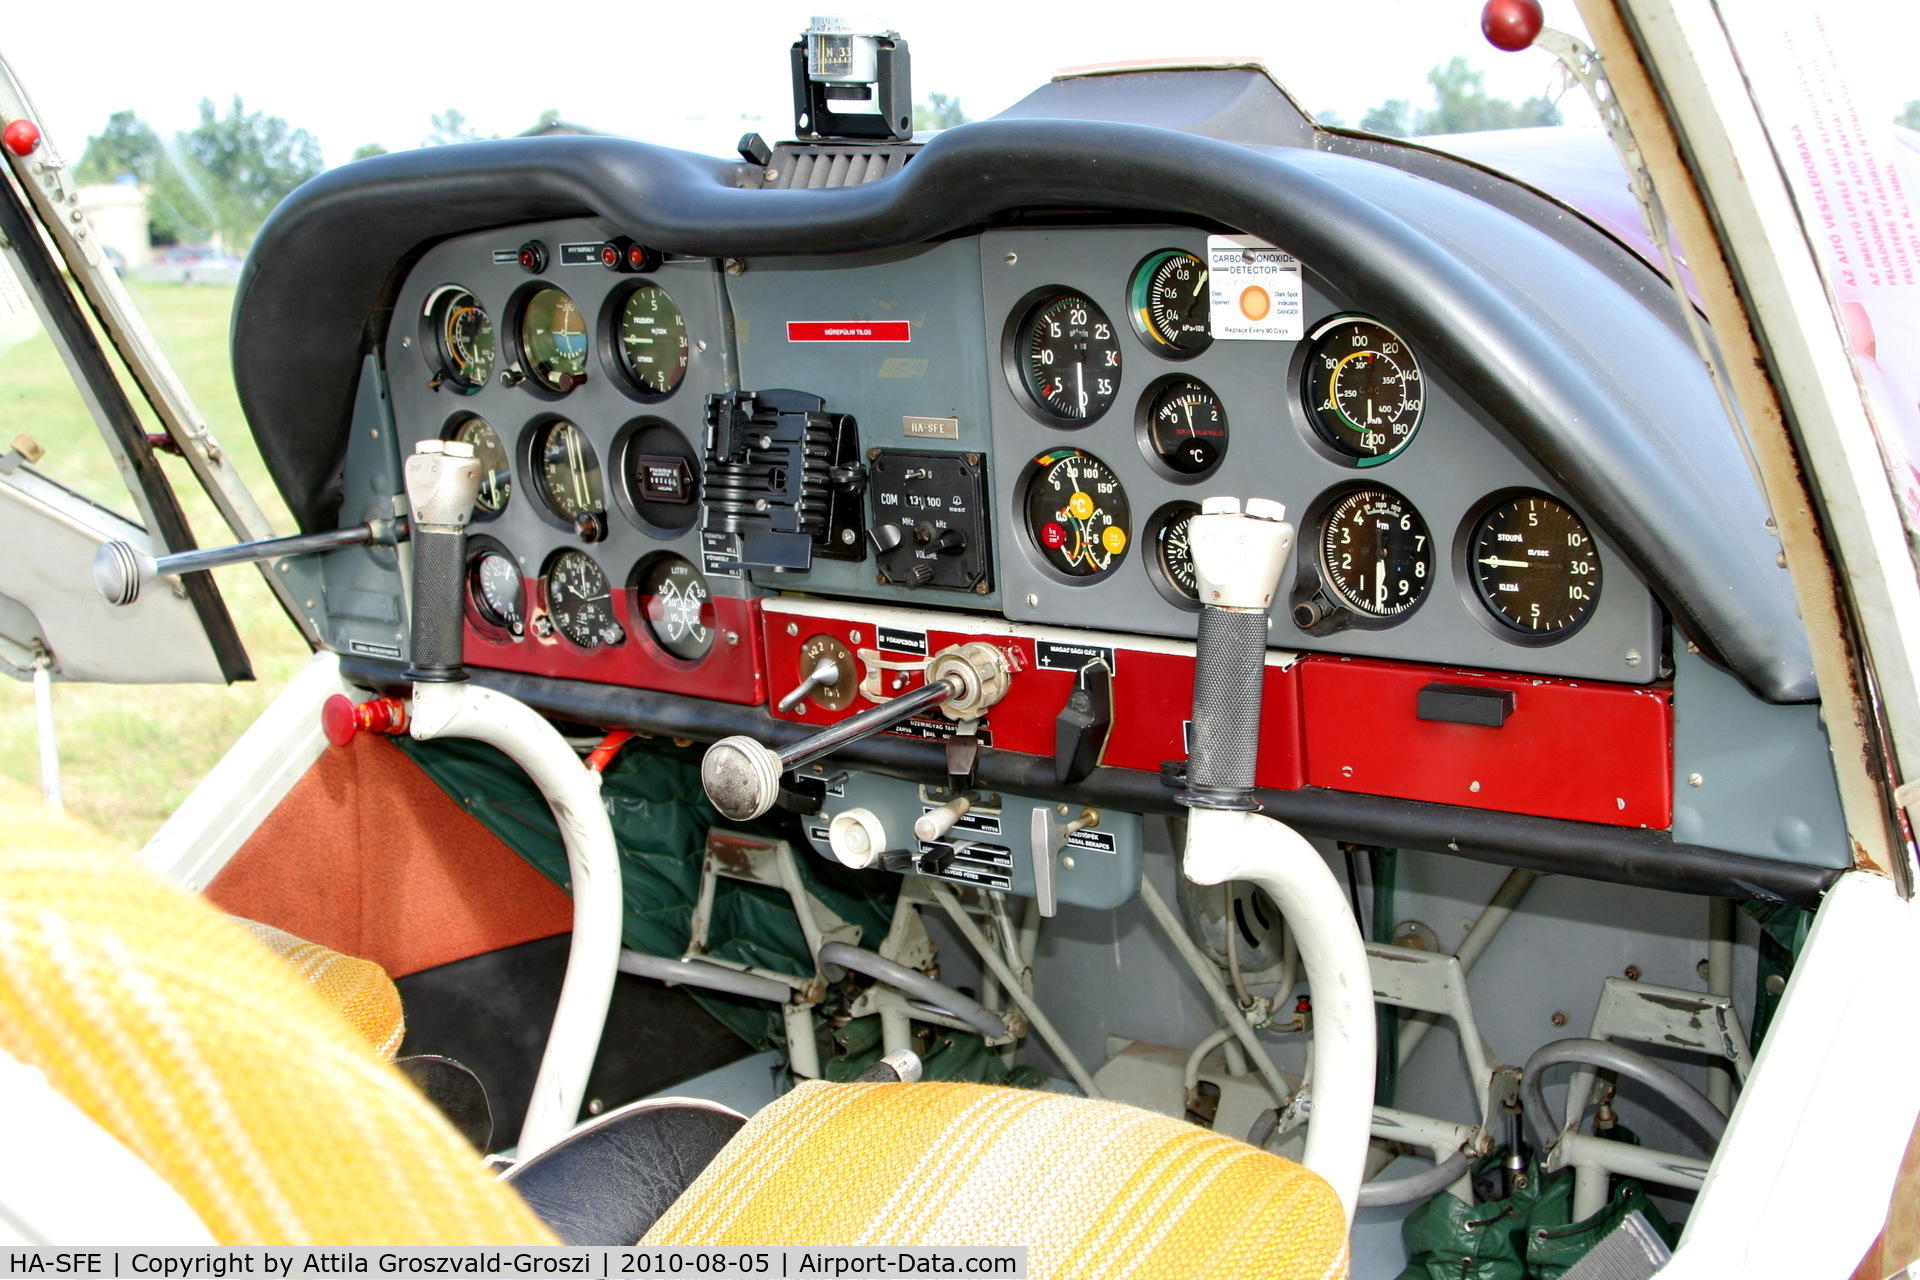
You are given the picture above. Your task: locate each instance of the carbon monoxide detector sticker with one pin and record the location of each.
(1254, 290)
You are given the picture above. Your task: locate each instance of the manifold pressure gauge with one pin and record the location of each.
(1169, 303)
(1376, 556)
(1077, 514)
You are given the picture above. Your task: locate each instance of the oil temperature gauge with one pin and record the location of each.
(1184, 426)
(1077, 514)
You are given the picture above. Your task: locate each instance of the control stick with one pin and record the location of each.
(742, 777)
(1238, 559)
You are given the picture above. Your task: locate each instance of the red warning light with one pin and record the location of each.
(22, 136)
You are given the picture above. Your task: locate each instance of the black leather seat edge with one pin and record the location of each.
(609, 1180)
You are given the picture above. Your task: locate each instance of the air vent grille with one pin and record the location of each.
(820, 168)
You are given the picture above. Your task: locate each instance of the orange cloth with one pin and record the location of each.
(369, 857)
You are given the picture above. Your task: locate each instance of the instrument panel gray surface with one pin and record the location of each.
(601, 408)
(1457, 458)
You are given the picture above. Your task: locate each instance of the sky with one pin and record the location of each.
(695, 75)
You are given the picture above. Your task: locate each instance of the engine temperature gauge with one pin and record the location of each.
(1077, 514)
(1185, 426)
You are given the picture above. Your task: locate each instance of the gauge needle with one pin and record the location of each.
(1189, 408)
(1200, 284)
(1080, 384)
(1380, 584)
(1497, 563)
(577, 465)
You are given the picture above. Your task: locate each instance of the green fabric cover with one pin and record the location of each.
(1783, 932)
(1528, 1236)
(660, 820)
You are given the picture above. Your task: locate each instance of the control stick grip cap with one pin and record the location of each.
(741, 777)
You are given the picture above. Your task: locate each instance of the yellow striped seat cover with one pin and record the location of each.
(207, 1056)
(360, 989)
(1093, 1189)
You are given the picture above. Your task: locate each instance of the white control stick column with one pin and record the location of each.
(1238, 559)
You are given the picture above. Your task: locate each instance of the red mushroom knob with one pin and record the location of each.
(1511, 24)
(21, 136)
(341, 717)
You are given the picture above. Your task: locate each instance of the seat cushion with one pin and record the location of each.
(1093, 1189)
(359, 989)
(610, 1179)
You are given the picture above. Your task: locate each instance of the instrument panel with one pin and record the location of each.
(1021, 422)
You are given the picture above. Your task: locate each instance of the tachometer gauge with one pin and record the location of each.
(1172, 554)
(553, 340)
(496, 472)
(676, 605)
(1186, 427)
(1362, 389)
(1168, 302)
(569, 470)
(1069, 360)
(1534, 566)
(580, 602)
(652, 339)
(497, 593)
(1376, 556)
(462, 337)
(1077, 513)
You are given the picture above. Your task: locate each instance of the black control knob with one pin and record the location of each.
(951, 542)
(886, 537)
(533, 257)
(921, 574)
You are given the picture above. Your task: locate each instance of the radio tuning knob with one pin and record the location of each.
(886, 537)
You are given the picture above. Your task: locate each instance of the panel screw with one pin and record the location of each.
(700, 344)
(1694, 780)
(773, 175)
(980, 588)
(733, 637)
(847, 536)
(854, 636)
(1012, 257)
(1558, 1019)
(1781, 559)
(793, 628)
(1633, 657)
(1033, 601)
(1776, 983)
(1631, 973)
(1066, 863)
(595, 1106)
(735, 267)
(1473, 786)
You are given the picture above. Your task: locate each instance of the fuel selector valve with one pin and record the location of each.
(742, 776)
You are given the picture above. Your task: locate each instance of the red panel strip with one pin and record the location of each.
(1571, 749)
(849, 331)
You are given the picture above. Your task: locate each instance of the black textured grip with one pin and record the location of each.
(439, 607)
(1226, 709)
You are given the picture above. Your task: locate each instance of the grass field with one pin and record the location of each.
(130, 753)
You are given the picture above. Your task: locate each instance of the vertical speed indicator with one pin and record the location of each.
(1068, 358)
(1534, 566)
(1077, 513)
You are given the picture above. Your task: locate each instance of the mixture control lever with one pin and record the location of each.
(742, 776)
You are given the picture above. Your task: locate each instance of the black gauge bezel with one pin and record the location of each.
(1313, 582)
(434, 352)
(527, 454)
(654, 436)
(1469, 582)
(644, 625)
(517, 313)
(477, 619)
(1143, 428)
(1137, 284)
(1013, 365)
(1307, 420)
(1150, 534)
(1030, 476)
(449, 430)
(613, 359)
(546, 602)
